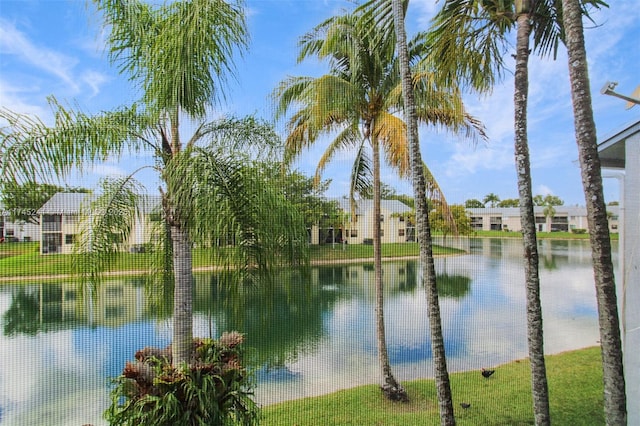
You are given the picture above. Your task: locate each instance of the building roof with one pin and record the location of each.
(539, 210)
(64, 203)
(365, 205)
(612, 147)
(71, 202)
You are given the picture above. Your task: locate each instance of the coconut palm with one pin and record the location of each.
(491, 198)
(613, 374)
(390, 16)
(179, 55)
(468, 39)
(443, 386)
(355, 104)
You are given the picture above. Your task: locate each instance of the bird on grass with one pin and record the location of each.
(487, 373)
(465, 405)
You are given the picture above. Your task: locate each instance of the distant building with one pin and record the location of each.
(14, 231)
(394, 226)
(564, 218)
(60, 218)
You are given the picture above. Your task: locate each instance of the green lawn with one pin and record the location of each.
(575, 389)
(540, 235)
(23, 259)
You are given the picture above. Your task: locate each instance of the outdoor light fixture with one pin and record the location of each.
(632, 100)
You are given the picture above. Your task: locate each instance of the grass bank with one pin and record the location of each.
(24, 260)
(575, 389)
(539, 235)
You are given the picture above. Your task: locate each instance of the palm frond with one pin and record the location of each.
(105, 225)
(32, 150)
(391, 131)
(247, 134)
(348, 138)
(466, 44)
(361, 175)
(249, 226)
(435, 194)
(179, 53)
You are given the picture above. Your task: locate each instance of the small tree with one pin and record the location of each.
(217, 390)
(439, 222)
(473, 204)
(509, 202)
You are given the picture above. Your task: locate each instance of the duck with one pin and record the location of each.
(465, 405)
(487, 373)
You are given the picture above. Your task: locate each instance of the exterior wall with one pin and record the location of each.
(18, 231)
(620, 153)
(565, 219)
(394, 228)
(58, 233)
(630, 286)
(60, 224)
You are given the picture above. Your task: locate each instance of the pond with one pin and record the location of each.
(310, 335)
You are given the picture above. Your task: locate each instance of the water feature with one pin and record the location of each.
(310, 334)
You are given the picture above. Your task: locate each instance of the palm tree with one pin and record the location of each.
(549, 212)
(535, 334)
(178, 54)
(469, 41)
(491, 198)
(484, 25)
(443, 386)
(613, 374)
(356, 102)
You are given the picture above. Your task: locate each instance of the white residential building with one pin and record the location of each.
(13, 231)
(620, 156)
(394, 226)
(60, 217)
(564, 218)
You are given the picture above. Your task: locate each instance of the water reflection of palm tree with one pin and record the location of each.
(456, 286)
(280, 321)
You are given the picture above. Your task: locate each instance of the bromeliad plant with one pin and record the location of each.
(214, 389)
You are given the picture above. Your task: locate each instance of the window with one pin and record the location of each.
(69, 238)
(401, 218)
(400, 232)
(381, 218)
(354, 233)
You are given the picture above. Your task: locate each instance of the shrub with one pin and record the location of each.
(215, 389)
(579, 231)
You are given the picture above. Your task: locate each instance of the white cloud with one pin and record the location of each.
(543, 190)
(13, 42)
(425, 9)
(14, 98)
(106, 169)
(94, 80)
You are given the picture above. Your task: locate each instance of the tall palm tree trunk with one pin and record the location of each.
(390, 386)
(182, 297)
(585, 129)
(535, 338)
(443, 386)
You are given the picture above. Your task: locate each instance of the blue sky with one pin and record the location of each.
(55, 47)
